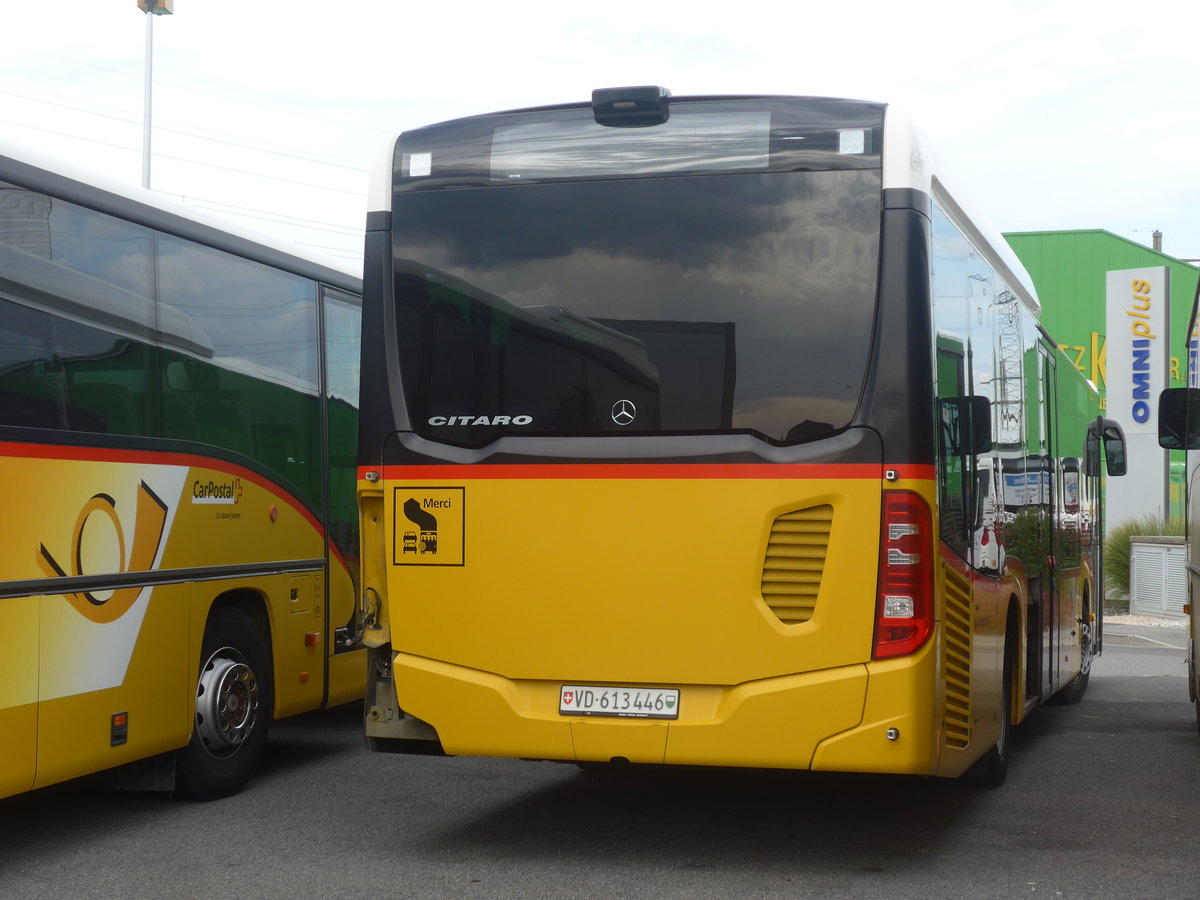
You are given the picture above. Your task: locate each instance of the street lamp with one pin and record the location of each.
(152, 8)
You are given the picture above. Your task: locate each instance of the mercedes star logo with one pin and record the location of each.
(624, 412)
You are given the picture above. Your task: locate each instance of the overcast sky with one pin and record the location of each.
(1053, 114)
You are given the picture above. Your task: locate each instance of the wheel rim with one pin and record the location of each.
(1085, 646)
(226, 702)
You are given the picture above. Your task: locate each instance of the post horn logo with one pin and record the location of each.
(147, 533)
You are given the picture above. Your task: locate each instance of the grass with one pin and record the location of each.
(1118, 556)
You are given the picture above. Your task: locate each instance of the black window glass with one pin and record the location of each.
(254, 317)
(254, 389)
(713, 303)
(77, 260)
(343, 316)
(58, 373)
(32, 383)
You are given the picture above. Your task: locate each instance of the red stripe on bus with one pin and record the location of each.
(585, 471)
(156, 458)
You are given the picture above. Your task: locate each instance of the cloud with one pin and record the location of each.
(1053, 114)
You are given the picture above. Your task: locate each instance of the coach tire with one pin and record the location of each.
(234, 702)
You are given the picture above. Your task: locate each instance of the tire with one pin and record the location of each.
(1192, 692)
(992, 768)
(234, 704)
(1075, 689)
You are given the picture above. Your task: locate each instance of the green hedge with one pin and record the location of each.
(1117, 554)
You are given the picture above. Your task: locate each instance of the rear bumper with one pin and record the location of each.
(873, 717)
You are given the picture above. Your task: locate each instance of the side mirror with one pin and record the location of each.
(1109, 433)
(1179, 419)
(1114, 452)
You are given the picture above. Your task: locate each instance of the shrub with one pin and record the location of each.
(1118, 556)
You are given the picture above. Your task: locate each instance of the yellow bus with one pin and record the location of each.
(178, 417)
(740, 439)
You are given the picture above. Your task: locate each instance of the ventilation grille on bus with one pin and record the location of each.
(795, 559)
(956, 660)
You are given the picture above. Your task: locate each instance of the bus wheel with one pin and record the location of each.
(1075, 689)
(1193, 694)
(233, 708)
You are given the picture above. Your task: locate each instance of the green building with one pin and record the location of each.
(1068, 269)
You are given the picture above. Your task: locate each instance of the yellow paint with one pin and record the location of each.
(656, 582)
(1099, 361)
(898, 695)
(68, 663)
(637, 581)
(19, 625)
(157, 690)
(18, 752)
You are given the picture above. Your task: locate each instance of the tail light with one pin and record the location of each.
(904, 615)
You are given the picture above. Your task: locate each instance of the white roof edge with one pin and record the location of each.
(908, 157)
(909, 161)
(379, 191)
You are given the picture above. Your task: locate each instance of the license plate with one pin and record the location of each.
(626, 702)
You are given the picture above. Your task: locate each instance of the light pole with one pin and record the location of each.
(152, 8)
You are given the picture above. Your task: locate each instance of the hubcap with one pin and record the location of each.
(1085, 645)
(226, 702)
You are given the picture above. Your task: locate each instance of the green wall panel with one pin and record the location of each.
(1068, 269)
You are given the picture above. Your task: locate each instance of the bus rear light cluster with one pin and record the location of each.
(904, 614)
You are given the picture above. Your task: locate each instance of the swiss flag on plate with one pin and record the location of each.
(568, 698)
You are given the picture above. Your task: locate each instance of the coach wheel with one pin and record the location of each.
(233, 708)
(226, 703)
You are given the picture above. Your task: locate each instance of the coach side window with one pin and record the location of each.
(256, 391)
(114, 255)
(74, 349)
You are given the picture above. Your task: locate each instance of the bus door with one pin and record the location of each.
(342, 315)
(1036, 545)
(1049, 487)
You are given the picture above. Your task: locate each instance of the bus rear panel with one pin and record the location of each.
(652, 465)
